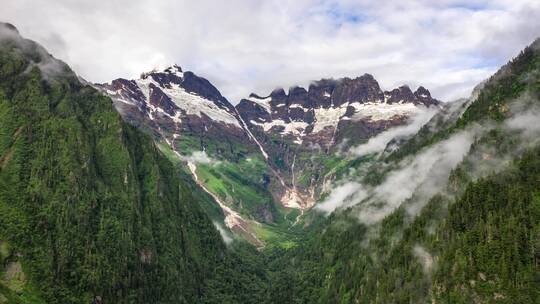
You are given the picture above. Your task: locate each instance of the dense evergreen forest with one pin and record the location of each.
(477, 242)
(92, 212)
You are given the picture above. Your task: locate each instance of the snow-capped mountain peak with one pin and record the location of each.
(173, 94)
(315, 115)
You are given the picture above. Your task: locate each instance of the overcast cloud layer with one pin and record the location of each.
(245, 46)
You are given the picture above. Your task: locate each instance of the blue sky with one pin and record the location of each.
(246, 46)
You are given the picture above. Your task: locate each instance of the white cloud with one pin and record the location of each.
(379, 142)
(349, 191)
(225, 234)
(425, 258)
(421, 175)
(426, 173)
(200, 157)
(247, 45)
(528, 122)
(48, 65)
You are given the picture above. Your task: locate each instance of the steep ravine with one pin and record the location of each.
(233, 220)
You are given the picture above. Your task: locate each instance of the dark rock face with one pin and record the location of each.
(171, 75)
(401, 94)
(324, 118)
(202, 87)
(342, 97)
(175, 105)
(423, 96)
(404, 94)
(279, 96)
(362, 89)
(253, 110)
(129, 91)
(161, 100)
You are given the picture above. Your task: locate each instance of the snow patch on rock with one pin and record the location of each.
(294, 127)
(328, 117)
(376, 111)
(191, 103)
(262, 102)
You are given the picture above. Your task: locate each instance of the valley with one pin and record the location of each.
(159, 190)
(291, 144)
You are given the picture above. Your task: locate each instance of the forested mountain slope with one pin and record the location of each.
(90, 210)
(473, 239)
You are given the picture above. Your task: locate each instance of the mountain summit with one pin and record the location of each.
(320, 114)
(174, 95)
(189, 115)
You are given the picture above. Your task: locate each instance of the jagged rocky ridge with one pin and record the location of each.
(319, 115)
(180, 102)
(319, 121)
(189, 115)
(172, 103)
(473, 241)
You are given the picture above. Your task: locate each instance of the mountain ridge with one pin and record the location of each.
(190, 115)
(159, 102)
(92, 210)
(343, 97)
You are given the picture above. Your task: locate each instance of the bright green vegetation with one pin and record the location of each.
(314, 168)
(276, 235)
(217, 147)
(241, 185)
(204, 200)
(316, 165)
